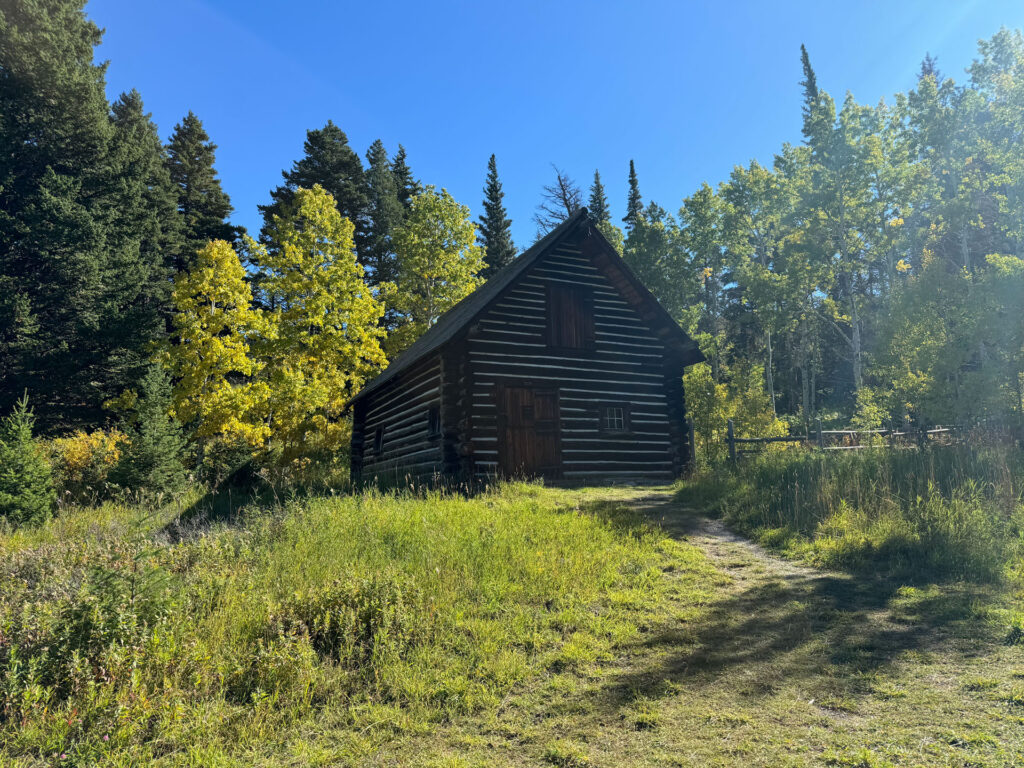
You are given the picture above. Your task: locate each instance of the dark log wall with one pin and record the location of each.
(401, 407)
(626, 363)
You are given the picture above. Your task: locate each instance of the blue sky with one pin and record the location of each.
(686, 89)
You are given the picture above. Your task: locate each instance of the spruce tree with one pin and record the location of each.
(70, 257)
(385, 212)
(26, 485)
(930, 68)
(329, 161)
(811, 93)
(152, 462)
(203, 204)
(406, 184)
(634, 203)
(495, 230)
(146, 221)
(598, 202)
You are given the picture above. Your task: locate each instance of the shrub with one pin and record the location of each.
(83, 461)
(26, 485)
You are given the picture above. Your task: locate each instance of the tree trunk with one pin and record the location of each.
(769, 378)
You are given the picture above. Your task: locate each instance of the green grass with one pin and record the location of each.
(951, 512)
(523, 627)
(124, 639)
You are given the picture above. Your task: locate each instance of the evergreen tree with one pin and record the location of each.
(26, 485)
(495, 234)
(930, 68)
(406, 184)
(598, 203)
(810, 86)
(75, 268)
(327, 161)
(385, 212)
(634, 203)
(146, 220)
(152, 462)
(203, 204)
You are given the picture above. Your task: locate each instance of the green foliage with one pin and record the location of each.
(26, 486)
(438, 264)
(333, 615)
(327, 161)
(597, 203)
(946, 512)
(203, 204)
(385, 211)
(495, 229)
(152, 462)
(634, 202)
(324, 334)
(84, 222)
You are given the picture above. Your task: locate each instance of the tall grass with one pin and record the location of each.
(947, 511)
(122, 645)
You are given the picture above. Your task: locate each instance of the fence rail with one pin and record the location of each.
(849, 439)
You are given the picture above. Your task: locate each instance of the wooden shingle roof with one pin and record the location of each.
(463, 314)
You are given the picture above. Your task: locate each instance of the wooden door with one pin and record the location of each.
(528, 434)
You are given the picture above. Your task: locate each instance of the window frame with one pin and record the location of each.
(602, 419)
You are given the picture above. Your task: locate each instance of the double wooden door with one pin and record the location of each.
(528, 433)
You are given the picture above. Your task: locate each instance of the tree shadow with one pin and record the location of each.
(224, 505)
(828, 631)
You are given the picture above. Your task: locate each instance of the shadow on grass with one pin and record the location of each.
(827, 631)
(223, 505)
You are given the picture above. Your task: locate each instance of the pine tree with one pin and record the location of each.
(26, 485)
(495, 233)
(327, 161)
(152, 462)
(634, 203)
(405, 182)
(203, 204)
(385, 212)
(598, 203)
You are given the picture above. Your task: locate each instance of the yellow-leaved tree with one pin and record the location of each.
(325, 338)
(438, 264)
(211, 362)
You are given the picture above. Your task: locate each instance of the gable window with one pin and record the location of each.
(614, 417)
(378, 441)
(570, 317)
(433, 421)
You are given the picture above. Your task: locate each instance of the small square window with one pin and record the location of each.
(378, 440)
(614, 418)
(433, 421)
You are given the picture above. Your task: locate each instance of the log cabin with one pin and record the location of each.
(562, 366)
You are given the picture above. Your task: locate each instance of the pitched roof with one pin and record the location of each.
(466, 311)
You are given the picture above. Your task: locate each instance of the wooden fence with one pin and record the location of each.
(841, 439)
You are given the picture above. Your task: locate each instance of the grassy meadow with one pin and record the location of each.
(878, 624)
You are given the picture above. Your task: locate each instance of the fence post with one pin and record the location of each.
(732, 442)
(821, 437)
(691, 434)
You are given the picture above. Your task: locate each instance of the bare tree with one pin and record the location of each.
(559, 201)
